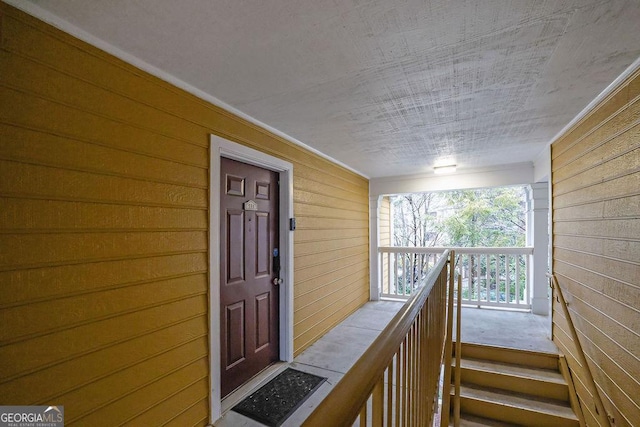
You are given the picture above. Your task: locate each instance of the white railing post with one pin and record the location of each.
(538, 237)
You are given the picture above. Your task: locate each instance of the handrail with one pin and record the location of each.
(349, 397)
(457, 372)
(448, 352)
(599, 407)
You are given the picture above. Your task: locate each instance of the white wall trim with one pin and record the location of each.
(67, 27)
(374, 243)
(221, 147)
(497, 176)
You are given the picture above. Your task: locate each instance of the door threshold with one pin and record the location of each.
(261, 378)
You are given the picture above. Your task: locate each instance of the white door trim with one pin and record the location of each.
(221, 147)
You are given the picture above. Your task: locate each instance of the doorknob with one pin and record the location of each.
(277, 281)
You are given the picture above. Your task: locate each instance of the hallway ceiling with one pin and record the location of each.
(387, 87)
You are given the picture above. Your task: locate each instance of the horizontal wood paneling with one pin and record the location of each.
(104, 187)
(32, 354)
(307, 299)
(41, 148)
(347, 264)
(596, 251)
(56, 215)
(42, 284)
(304, 335)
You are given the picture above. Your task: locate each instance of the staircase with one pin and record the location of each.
(505, 387)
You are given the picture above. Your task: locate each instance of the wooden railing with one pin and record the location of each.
(395, 383)
(490, 276)
(604, 419)
(447, 409)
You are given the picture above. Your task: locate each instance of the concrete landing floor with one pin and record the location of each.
(513, 329)
(334, 354)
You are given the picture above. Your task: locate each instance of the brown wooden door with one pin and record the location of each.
(249, 300)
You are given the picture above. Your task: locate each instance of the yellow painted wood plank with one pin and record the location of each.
(614, 229)
(622, 207)
(303, 249)
(33, 250)
(593, 210)
(624, 250)
(353, 183)
(617, 127)
(319, 270)
(308, 298)
(196, 415)
(54, 315)
(35, 79)
(304, 339)
(307, 210)
(598, 117)
(329, 281)
(29, 146)
(625, 293)
(619, 386)
(31, 181)
(324, 258)
(620, 343)
(611, 189)
(593, 335)
(314, 223)
(619, 270)
(70, 375)
(308, 197)
(35, 215)
(625, 164)
(137, 390)
(328, 235)
(308, 316)
(25, 110)
(327, 190)
(196, 393)
(43, 284)
(599, 152)
(27, 36)
(38, 353)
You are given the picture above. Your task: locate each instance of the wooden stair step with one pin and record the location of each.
(516, 408)
(467, 420)
(535, 381)
(528, 358)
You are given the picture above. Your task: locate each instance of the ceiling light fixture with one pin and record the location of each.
(444, 169)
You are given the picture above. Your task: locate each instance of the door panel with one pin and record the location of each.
(235, 335)
(263, 247)
(248, 297)
(235, 246)
(262, 320)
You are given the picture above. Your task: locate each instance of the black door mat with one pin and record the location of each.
(275, 401)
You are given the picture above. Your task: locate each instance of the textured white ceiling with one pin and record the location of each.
(388, 87)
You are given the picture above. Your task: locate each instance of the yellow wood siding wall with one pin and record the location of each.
(596, 250)
(104, 233)
(385, 238)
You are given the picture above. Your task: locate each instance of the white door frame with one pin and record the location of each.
(221, 147)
